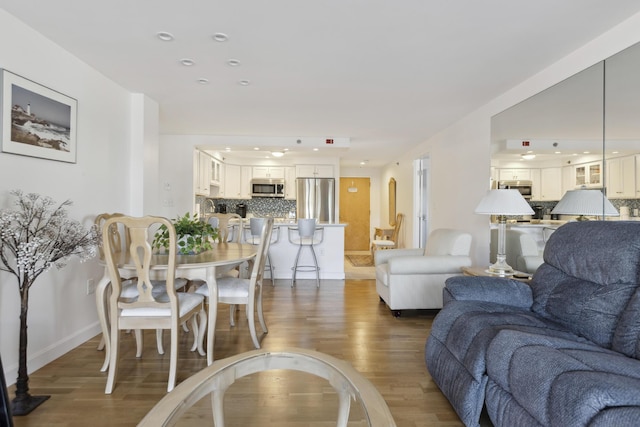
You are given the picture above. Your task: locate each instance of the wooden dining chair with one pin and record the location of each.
(157, 305)
(227, 232)
(392, 242)
(248, 292)
(216, 379)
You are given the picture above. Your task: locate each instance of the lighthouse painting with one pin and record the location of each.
(37, 121)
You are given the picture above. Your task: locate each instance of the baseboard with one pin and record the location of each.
(52, 352)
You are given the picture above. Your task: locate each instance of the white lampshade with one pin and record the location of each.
(584, 202)
(503, 202)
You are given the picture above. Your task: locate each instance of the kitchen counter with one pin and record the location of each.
(330, 252)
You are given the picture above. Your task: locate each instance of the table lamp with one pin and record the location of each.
(503, 202)
(584, 202)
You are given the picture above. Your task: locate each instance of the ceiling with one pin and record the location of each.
(383, 75)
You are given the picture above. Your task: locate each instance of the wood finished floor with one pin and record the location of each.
(343, 318)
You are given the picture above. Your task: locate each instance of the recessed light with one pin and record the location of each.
(315, 149)
(528, 156)
(227, 149)
(586, 152)
(244, 82)
(233, 62)
(220, 37)
(187, 62)
(277, 153)
(256, 148)
(203, 81)
(557, 152)
(165, 36)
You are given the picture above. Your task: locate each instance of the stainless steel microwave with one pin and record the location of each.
(265, 187)
(524, 187)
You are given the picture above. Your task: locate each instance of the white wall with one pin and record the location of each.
(61, 314)
(460, 154)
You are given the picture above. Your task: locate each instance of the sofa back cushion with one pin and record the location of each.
(591, 270)
(446, 241)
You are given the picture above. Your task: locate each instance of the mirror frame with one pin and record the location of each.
(392, 202)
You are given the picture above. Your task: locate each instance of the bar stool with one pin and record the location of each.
(253, 238)
(306, 234)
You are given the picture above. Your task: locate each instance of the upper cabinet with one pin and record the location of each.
(271, 172)
(314, 171)
(290, 183)
(515, 174)
(216, 171)
(621, 178)
(201, 173)
(589, 175)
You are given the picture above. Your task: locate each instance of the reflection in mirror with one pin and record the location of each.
(553, 139)
(622, 131)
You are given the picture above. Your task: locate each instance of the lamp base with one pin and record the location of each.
(500, 269)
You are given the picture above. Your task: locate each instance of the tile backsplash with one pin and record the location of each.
(258, 207)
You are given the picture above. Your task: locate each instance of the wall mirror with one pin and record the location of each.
(392, 202)
(583, 131)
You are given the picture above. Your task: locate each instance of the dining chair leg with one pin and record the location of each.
(202, 329)
(113, 361)
(139, 342)
(159, 341)
(263, 324)
(173, 357)
(252, 328)
(232, 313)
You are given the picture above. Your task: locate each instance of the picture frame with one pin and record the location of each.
(37, 121)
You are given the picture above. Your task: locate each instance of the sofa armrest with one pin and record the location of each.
(383, 256)
(490, 289)
(441, 264)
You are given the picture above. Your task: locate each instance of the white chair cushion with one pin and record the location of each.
(383, 243)
(187, 303)
(228, 287)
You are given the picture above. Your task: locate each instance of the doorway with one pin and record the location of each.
(421, 201)
(355, 212)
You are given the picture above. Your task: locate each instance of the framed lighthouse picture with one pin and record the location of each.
(37, 121)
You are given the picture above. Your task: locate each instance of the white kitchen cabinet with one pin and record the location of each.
(568, 178)
(231, 182)
(216, 171)
(588, 174)
(272, 172)
(290, 183)
(246, 174)
(536, 191)
(514, 174)
(550, 184)
(314, 171)
(621, 178)
(201, 173)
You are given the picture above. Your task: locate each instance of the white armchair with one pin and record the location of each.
(409, 279)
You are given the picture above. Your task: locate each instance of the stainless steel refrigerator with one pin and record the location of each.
(315, 198)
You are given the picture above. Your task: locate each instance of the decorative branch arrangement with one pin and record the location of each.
(34, 237)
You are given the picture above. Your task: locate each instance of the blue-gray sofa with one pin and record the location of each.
(562, 350)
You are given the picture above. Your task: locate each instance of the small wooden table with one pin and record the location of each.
(484, 271)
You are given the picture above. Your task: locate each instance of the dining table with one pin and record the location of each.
(203, 266)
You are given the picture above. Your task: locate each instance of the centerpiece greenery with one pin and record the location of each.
(34, 237)
(194, 236)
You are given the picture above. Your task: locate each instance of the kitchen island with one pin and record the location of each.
(330, 252)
